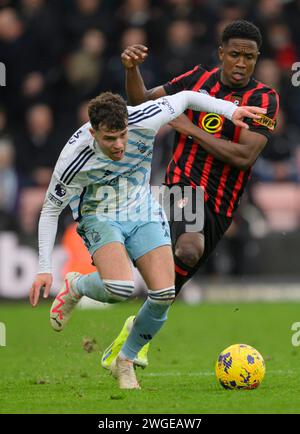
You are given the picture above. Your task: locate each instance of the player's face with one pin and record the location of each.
(111, 143)
(238, 57)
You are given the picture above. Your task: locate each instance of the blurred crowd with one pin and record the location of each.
(60, 53)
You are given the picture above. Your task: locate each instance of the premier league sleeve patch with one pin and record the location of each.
(57, 194)
(60, 190)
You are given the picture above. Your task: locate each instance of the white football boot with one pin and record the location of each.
(64, 303)
(123, 371)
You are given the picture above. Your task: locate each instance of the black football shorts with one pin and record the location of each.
(187, 211)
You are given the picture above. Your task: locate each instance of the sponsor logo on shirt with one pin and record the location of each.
(266, 122)
(164, 102)
(212, 123)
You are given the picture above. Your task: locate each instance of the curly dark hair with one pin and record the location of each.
(242, 29)
(108, 109)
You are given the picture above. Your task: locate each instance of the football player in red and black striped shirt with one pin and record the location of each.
(209, 151)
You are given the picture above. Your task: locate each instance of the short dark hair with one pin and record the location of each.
(242, 29)
(108, 109)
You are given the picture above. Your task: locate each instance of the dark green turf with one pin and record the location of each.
(47, 372)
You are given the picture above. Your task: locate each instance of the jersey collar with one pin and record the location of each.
(95, 147)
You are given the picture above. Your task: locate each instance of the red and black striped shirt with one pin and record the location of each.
(191, 164)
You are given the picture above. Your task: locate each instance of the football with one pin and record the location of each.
(240, 367)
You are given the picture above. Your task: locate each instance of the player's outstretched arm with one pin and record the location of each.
(206, 103)
(136, 91)
(170, 107)
(47, 233)
(57, 198)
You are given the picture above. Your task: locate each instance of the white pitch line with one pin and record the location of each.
(206, 374)
(278, 372)
(178, 374)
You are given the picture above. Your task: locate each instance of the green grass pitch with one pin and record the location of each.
(47, 372)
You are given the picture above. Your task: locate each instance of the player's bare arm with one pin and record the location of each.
(136, 91)
(241, 155)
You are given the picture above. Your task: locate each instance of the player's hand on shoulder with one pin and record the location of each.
(134, 55)
(247, 112)
(41, 280)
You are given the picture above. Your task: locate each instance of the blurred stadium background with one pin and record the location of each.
(60, 53)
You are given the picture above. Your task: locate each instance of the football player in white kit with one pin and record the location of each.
(103, 173)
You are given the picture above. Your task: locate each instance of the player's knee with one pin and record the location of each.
(161, 300)
(189, 253)
(118, 290)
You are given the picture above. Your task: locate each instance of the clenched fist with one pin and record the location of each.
(134, 55)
